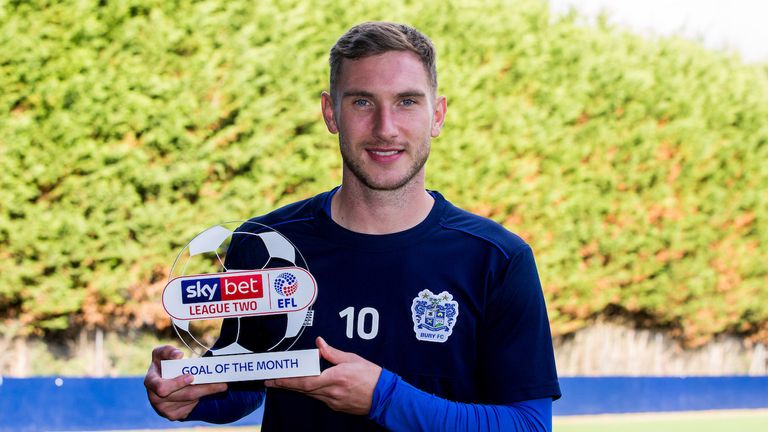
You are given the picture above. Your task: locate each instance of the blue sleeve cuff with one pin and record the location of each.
(382, 394)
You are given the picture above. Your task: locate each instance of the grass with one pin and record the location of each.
(697, 421)
(704, 421)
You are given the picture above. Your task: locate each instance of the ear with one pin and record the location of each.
(441, 107)
(329, 115)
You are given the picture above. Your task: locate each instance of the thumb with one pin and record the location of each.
(332, 354)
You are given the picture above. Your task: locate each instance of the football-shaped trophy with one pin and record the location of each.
(250, 279)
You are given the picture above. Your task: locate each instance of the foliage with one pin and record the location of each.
(634, 167)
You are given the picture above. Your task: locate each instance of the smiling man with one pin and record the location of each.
(430, 318)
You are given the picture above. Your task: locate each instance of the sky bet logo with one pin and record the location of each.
(222, 288)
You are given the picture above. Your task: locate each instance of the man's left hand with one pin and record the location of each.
(347, 386)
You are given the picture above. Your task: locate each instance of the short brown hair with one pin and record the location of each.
(373, 38)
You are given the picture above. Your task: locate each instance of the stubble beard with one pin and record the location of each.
(356, 168)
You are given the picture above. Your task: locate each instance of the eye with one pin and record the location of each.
(360, 103)
(408, 102)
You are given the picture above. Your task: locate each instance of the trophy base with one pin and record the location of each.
(245, 367)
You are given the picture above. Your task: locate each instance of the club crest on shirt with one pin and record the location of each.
(434, 316)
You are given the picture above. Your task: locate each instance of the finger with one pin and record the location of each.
(296, 384)
(332, 354)
(302, 384)
(166, 352)
(193, 393)
(164, 387)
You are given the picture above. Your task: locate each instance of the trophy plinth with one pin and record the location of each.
(245, 367)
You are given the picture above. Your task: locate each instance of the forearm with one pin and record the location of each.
(227, 407)
(398, 405)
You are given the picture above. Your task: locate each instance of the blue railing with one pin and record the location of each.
(51, 403)
(605, 395)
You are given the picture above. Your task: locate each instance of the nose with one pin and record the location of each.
(385, 128)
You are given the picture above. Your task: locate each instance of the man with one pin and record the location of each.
(434, 318)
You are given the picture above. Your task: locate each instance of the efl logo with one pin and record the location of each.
(210, 289)
(286, 284)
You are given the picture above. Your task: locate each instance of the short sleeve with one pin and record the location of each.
(516, 358)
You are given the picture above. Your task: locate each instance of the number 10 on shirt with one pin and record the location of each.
(367, 320)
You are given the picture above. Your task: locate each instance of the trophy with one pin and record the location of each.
(272, 282)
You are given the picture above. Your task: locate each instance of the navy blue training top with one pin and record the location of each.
(453, 305)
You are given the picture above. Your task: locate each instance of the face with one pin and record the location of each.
(385, 116)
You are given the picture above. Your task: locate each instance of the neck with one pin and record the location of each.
(363, 210)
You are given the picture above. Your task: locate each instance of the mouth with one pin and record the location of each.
(384, 155)
(384, 152)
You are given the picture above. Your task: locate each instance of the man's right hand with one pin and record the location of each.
(174, 398)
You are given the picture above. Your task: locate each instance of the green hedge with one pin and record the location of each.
(634, 167)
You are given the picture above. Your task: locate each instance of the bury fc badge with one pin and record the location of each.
(434, 316)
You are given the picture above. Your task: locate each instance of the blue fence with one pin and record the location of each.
(50, 403)
(605, 395)
(66, 404)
